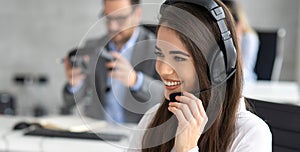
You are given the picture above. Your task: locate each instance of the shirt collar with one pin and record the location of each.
(128, 44)
(242, 105)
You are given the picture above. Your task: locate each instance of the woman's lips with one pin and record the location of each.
(171, 84)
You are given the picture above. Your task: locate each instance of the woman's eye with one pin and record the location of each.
(179, 58)
(158, 54)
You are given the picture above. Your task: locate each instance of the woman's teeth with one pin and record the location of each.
(168, 83)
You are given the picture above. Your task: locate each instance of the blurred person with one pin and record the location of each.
(118, 90)
(248, 40)
(195, 50)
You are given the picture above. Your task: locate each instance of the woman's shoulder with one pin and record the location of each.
(151, 112)
(247, 121)
(252, 133)
(148, 116)
(153, 109)
(135, 143)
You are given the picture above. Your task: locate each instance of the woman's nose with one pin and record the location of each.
(163, 68)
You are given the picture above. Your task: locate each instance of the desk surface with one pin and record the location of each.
(279, 92)
(7, 123)
(11, 140)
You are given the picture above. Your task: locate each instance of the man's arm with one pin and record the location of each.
(75, 88)
(70, 99)
(151, 89)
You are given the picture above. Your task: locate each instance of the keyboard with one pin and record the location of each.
(75, 135)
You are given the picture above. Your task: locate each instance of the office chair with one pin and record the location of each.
(284, 122)
(270, 54)
(150, 27)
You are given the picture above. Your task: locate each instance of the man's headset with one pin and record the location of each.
(215, 61)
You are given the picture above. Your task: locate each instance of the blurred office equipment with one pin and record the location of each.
(31, 92)
(25, 79)
(7, 104)
(270, 54)
(284, 122)
(39, 110)
(75, 135)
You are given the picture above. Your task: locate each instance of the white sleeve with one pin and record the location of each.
(195, 149)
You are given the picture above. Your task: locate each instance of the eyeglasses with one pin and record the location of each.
(119, 19)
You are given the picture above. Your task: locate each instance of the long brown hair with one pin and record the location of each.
(220, 135)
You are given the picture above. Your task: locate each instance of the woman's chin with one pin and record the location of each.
(167, 95)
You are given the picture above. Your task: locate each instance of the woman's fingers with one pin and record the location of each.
(187, 94)
(201, 109)
(198, 103)
(184, 109)
(194, 104)
(178, 113)
(191, 104)
(191, 119)
(191, 108)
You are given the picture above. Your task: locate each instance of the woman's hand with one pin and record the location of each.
(191, 121)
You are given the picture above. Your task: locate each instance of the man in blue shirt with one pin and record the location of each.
(124, 89)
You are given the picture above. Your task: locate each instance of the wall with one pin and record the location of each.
(36, 33)
(298, 50)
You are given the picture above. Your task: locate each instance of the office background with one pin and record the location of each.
(34, 34)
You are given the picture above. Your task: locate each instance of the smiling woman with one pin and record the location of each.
(171, 59)
(195, 50)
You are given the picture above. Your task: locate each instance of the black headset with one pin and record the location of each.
(216, 60)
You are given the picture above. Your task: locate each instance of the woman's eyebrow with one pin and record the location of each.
(173, 51)
(179, 52)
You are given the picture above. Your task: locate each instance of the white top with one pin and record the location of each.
(253, 134)
(250, 44)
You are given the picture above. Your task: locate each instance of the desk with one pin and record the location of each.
(279, 91)
(12, 140)
(2, 143)
(16, 141)
(7, 122)
(74, 145)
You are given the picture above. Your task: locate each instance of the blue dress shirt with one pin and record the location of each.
(116, 95)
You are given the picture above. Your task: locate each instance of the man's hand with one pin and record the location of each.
(74, 74)
(122, 70)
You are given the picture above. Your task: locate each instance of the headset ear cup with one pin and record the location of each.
(217, 67)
